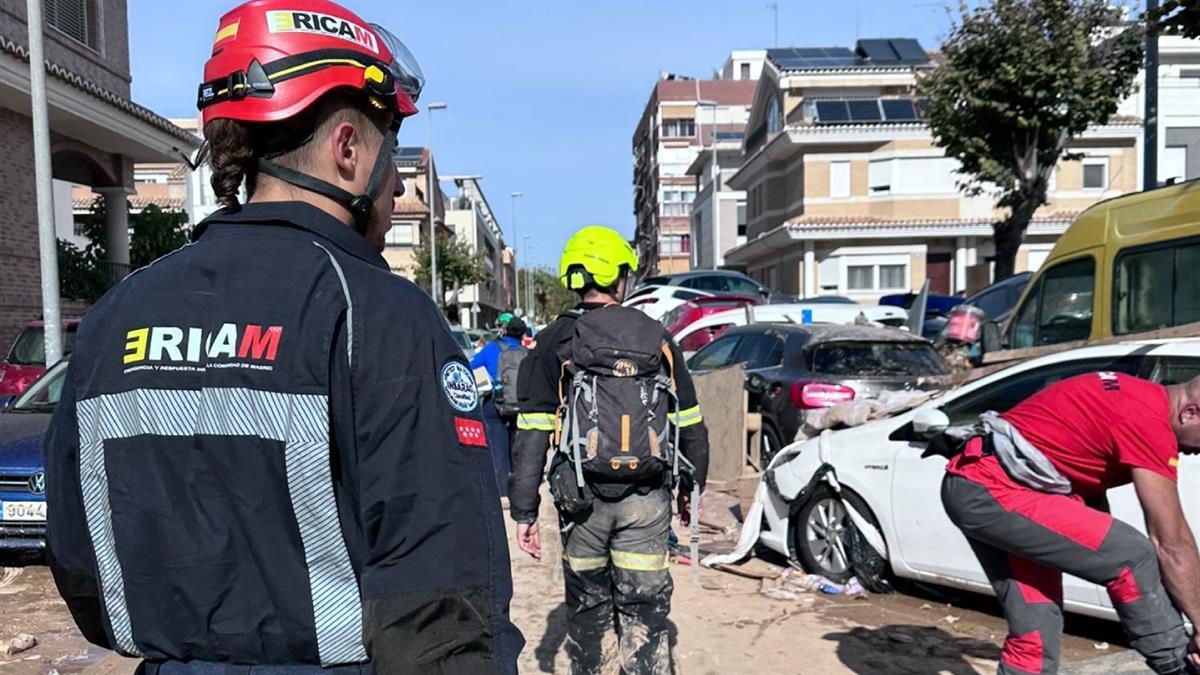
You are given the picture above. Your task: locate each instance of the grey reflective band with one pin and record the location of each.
(300, 422)
(349, 304)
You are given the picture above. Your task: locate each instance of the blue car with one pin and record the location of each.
(22, 470)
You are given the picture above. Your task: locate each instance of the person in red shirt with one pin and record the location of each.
(1100, 431)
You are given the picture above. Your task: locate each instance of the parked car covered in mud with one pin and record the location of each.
(794, 368)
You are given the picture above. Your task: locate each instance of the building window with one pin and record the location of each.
(741, 218)
(70, 17)
(1189, 74)
(774, 116)
(401, 234)
(677, 202)
(745, 75)
(679, 128)
(879, 176)
(1095, 173)
(1174, 163)
(867, 274)
(674, 244)
(839, 180)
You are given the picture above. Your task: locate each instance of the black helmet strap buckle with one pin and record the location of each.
(361, 207)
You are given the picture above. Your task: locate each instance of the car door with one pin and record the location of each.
(1123, 501)
(929, 544)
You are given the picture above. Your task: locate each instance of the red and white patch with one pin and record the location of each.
(470, 432)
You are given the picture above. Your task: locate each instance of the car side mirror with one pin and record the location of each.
(929, 422)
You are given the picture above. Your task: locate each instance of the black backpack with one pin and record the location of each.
(616, 394)
(508, 368)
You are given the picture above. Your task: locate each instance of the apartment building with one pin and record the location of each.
(471, 217)
(681, 118)
(847, 194)
(97, 136)
(410, 217)
(719, 211)
(1178, 108)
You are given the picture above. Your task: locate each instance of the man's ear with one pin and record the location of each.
(345, 143)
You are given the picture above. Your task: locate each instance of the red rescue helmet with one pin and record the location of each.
(272, 59)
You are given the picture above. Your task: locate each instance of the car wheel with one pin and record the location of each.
(771, 445)
(820, 533)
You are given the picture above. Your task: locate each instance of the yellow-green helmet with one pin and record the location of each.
(594, 256)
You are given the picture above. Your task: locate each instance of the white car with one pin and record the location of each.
(699, 333)
(656, 300)
(883, 476)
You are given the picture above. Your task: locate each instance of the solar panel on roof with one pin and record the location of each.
(864, 110)
(909, 50)
(409, 155)
(879, 52)
(832, 111)
(797, 58)
(898, 109)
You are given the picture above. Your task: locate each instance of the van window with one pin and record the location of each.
(1156, 288)
(1059, 308)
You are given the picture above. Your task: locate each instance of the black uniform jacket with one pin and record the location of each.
(269, 450)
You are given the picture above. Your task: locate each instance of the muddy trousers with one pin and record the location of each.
(615, 566)
(1026, 539)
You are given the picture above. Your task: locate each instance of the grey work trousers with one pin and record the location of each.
(615, 563)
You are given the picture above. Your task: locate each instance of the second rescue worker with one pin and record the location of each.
(612, 388)
(269, 455)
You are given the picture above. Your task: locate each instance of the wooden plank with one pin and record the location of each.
(722, 399)
(1008, 356)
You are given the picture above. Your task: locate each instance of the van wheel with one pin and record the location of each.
(819, 533)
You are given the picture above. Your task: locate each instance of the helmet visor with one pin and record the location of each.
(403, 67)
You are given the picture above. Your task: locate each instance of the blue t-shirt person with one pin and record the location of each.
(489, 356)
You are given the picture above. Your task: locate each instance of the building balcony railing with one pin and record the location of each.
(676, 209)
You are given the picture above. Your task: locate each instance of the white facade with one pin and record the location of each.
(473, 222)
(1178, 108)
(744, 64)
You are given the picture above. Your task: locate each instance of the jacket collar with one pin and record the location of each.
(299, 215)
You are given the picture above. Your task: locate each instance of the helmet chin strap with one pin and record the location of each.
(361, 206)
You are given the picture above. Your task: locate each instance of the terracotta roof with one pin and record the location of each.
(810, 222)
(116, 100)
(724, 92)
(82, 202)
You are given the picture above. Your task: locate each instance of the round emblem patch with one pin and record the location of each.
(459, 384)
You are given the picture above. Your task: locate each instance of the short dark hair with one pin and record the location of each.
(515, 328)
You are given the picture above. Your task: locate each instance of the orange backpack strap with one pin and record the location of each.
(666, 350)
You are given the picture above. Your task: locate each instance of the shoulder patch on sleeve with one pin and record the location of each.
(458, 382)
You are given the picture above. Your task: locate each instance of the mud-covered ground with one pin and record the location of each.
(721, 623)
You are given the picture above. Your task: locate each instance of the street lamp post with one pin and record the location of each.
(433, 268)
(528, 282)
(516, 260)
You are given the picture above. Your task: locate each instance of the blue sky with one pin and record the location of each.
(543, 96)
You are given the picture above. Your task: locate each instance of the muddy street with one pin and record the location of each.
(721, 623)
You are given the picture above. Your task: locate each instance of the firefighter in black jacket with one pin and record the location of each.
(615, 551)
(269, 452)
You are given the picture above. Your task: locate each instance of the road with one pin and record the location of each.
(721, 623)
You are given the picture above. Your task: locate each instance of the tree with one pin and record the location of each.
(85, 274)
(1019, 80)
(550, 296)
(1177, 17)
(458, 265)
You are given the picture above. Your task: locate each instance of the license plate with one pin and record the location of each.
(19, 512)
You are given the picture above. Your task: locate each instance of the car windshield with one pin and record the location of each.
(463, 340)
(43, 394)
(30, 347)
(874, 359)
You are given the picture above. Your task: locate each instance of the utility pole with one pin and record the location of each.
(528, 299)
(1150, 118)
(43, 178)
(429, 195)
(516, 254)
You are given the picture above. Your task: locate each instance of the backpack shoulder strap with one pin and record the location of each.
(666, 350)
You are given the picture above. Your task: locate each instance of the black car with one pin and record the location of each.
(712, 281)
(792, 368)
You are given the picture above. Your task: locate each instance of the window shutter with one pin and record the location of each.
(68, 16)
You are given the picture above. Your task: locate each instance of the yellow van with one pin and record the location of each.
(1126, 265)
